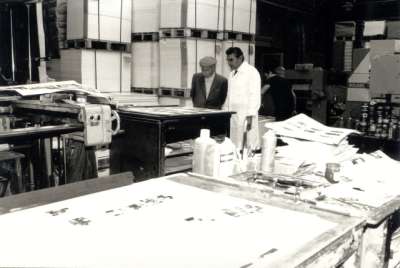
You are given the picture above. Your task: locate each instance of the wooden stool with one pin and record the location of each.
(16, 157)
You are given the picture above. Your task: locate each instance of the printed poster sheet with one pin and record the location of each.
(303, 127)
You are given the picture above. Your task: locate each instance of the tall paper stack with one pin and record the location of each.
(145, 16)
(248, 49)
(385, 75)
(107, 20)
(108, 71)
(179, 59)
(383, 47)
(393, 29)
(385, 67)
(200, 14)
(145, 65)
(240, 16)
(358, 89)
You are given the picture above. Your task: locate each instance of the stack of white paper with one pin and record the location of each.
(107, 20)
(371, 179)
(108, 71)
(145, 65)
(310, 143)
(200, 14)
(179, 60)
(145, 16)
(240, 16)
(305, 153)
(303, 127)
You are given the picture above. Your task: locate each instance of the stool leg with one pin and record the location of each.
(64, 156)
(31, 178)
(4, 186)
(18, 172)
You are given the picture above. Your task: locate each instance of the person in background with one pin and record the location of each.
(208, 88)
(278, 90)
(244, 85)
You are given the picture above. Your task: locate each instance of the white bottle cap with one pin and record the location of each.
(204, 133)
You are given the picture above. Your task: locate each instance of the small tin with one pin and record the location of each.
(330, 172)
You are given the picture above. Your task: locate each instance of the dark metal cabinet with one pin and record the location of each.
(146, 132)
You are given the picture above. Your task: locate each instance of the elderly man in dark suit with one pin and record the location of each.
(209, 89)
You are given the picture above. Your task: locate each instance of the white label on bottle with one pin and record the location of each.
(226, 157)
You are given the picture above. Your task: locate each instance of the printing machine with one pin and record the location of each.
(308, 83)
(48, 115)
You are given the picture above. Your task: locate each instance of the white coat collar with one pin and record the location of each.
(242, 66)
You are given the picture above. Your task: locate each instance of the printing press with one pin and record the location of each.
(61, 130)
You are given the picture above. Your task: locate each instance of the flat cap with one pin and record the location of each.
(207, 61)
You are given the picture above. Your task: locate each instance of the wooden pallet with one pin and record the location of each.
(344, 38)
(151, 36)
(228, 35)
(97, 44)
(189, 32)
(152, 91)
(174, 92)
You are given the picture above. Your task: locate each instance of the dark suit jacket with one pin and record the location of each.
(217, 95)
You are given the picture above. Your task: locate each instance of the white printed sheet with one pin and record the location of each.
(303, 127)
(157, 223)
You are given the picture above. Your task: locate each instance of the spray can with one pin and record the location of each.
(268, 151)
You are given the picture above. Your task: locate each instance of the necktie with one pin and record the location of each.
(235, 72)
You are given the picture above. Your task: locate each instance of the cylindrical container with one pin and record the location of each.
(220, 159)
(199, 150)
(211, 161)
(349, 122)
(253, 163)
(331, 169)
(268, 151)
(372, 128)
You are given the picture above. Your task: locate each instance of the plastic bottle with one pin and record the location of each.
(268, 152)
(211, 162)
(220, 158)
(199, 151)
(226, 158)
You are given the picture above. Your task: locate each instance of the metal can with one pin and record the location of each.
(363, 127)
(349, 122)
(330, 172)
(391, 131)
(371, 128)
(384, 132)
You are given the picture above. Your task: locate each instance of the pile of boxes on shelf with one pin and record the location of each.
(171, 36)
(375, 67)
(152, 46)
(376, 71)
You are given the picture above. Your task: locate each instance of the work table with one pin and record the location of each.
(175, 221)
(148, 130)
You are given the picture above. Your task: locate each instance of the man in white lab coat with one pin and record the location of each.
(244, 98)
